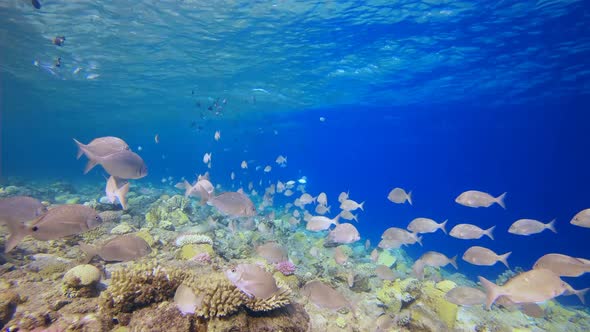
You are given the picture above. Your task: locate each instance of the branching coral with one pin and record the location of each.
(138, 286)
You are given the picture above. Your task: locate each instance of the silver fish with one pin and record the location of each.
(99, 147)
(531, 286)
(234, 204)
(115, 190)
(324, 296)
(272, 252)
(476, 199)
(470, 232)
(58, 222)
(119, 249)
(531, 226)
(253, 280)
(124, 164)
(562, 265)
(484, 257)
(466, 296)
(343, 233)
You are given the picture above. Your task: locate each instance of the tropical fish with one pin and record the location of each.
(306, 199)
(207, 158)
(466, 296)
(350, 205)
(563, 265)
(99, 147)
(18, 209)
(530, 226)
(217, 135)
(235, 204)
(244, 164)
(582, 219)
(281, 160)
(343, 233)
(470, 232)
(122, 248)
(532, 286)
(476, 199)
(347, 215)
(342, 197)
(267, 169)
(322, 209)
(56, 223)
(252, 280)
(399, 196)
(320, 223)
(15, 212)
(436, 259)
(186, 301)
(384, 273)
(322, 199)
(117, 191)
(324, 296)
(272, 252)
(401, 235)
(426, 225)
(484, 257)
(123, 164)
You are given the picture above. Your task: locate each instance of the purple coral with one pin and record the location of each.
(202, 258)
(286, 267)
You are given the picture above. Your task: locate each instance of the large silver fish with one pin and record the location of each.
(99, 147)
(57, 223)
(253, 280)
(234, 204)
(119, 249)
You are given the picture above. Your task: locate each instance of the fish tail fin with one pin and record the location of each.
(504, 259)
(419, 240)
(581, 294)
(80, 151)
(187, 188)
(355, 217)
(409, 197)
(489, 231)
(500, 200)
(453, 262)
(18, 231)
(442, 226)
(121, 194)
(89, 165)
(361, 206)
(551, 226)
(328, 210)
(335, 220)
(493, 291)
(89, 250)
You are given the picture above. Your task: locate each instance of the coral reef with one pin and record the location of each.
(138, 286)
(169, 213)
(285, 267)
(81, 281)
(192, 239)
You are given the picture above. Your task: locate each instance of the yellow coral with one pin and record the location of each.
(446, 285)
(435, 299)
(189, 251)
(386, 258)
(145, 234)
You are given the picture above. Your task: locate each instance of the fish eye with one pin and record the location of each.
(35, 228)
(233, 270)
